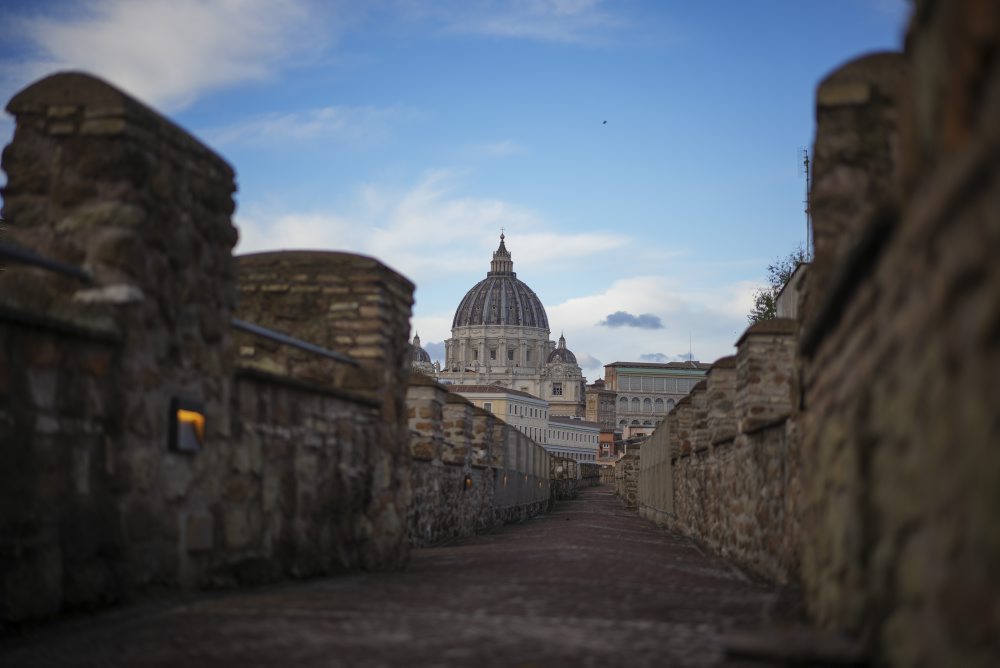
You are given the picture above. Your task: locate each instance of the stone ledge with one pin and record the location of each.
(728, 362)
(724, 439)
(775, 326)
(99, 330)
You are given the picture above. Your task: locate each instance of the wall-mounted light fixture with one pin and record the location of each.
(504, 479)
(468, 482)
(187, 425)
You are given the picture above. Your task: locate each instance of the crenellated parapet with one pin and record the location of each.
(471, 471)
(720, 466)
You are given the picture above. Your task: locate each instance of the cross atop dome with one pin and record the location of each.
(502, 263)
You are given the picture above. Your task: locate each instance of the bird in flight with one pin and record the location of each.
(604, 123)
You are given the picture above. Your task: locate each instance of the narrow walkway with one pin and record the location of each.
(589, 584)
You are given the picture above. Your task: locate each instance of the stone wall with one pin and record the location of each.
(471, 471)
(301, 471)
(607, 475)
(590, 474)
(723, 466)
(627, 477)
(354, 305)
(902, 345)
(866, 464)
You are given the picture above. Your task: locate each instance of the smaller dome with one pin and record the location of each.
(562, 353)
(418, 354)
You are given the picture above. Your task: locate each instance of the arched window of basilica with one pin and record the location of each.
(623, 422)
(635, 404)
(670, 404)
(658, 406)
(647, 405)
(635, 423)
(623, 404)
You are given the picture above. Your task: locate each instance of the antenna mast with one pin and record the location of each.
(807, 171)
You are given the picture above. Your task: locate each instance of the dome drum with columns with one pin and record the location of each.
(500, 336)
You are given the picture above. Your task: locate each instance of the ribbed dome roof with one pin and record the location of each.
(562, 353)
(418, 354)
(500, 298)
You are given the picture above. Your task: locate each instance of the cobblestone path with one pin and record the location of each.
(589, 584)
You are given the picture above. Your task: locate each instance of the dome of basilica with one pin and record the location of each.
(500, 298)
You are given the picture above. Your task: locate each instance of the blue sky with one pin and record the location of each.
(414, 130)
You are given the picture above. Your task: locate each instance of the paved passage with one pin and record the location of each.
(589, 584)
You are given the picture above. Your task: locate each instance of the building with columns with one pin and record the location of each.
(646, 392)
(500, 337)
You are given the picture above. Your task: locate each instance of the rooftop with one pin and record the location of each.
(693, 365)
(563, 419)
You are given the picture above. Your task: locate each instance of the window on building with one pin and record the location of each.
(475, 354)
(556, 389)
(658, 405)
(635, 404)
(493, 353)
(670, 404)
(510, 354)
(647, 405)
(527, 355)
(488, 406)
(623, 404)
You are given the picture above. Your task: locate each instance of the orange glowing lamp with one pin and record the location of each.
(187, 425)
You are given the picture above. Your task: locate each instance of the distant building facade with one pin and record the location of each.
(646, 392)
(574, 438)
(561, 435)
(600, 408)
(525, 412)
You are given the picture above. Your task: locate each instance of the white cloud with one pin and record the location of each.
(542, 20)
(413, 230)
(350, 123)
(711, 315)
(166, 52)
(566, 21)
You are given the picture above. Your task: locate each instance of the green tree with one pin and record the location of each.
(765, 300)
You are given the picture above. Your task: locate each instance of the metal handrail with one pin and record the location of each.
(27, 257)
(291, 341)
